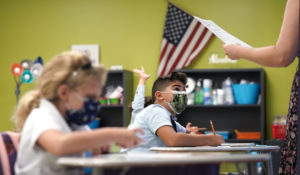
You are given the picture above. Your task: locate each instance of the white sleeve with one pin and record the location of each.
(138, 102)
(180, 128)
(80, 127)
(157, 119)
(139, 98)
(38, 123)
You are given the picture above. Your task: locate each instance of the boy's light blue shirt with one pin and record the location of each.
(150, 120)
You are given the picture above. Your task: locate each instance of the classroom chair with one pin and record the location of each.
(9, 144)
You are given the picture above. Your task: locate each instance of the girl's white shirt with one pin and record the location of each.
(138, 102)
(33, 159)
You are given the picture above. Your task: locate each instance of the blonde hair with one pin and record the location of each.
(66, 68)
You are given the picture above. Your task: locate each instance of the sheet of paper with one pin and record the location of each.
(226, 37)
(238, 144)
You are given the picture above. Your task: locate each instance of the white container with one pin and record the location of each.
(227, 88)
(207, 83)
(220, 97)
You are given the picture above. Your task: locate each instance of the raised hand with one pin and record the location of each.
(142, 74)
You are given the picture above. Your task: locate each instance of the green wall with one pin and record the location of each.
(129, 33)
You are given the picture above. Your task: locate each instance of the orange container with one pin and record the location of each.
(247, 135)
(279, 131)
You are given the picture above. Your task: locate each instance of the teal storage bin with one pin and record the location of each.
(225, 134)
(246, 93)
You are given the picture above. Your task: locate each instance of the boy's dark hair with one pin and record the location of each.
(148, 101)
(161, 83)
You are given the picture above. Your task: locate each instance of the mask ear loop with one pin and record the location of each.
(168, 103)
(179, 92)
(174, 92)
(79, 96)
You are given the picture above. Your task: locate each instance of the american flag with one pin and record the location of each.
(184, 39)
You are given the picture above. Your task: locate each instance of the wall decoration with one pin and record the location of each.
(25, 72)
(92, 50)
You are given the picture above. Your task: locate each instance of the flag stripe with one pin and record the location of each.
(166, 57)
(191, 48)
(197, 45)
(168, 47)
(164, 48)
(163, 43)
(201, 47)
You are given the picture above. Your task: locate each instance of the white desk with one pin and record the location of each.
(260, 148)
(127, 161)
(250, 148)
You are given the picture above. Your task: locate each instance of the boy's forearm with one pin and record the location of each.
(182, 139)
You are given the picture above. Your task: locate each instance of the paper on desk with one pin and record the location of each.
(238, 144)
(226, 37)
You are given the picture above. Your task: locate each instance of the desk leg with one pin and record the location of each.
(270, 165)
(98, 171)
(238, 169)
(252, 168)
(101, 171)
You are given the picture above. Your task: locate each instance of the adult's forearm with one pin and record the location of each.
(266, 56)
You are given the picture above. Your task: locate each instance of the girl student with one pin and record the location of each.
(56, 114)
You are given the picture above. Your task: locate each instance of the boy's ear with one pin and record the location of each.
(158, 96)
(63, 92)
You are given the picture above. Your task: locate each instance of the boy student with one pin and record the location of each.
(157, 120)
(56, 114)
(141, 101)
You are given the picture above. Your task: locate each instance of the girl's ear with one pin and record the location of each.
(158, 96)
(63, 92)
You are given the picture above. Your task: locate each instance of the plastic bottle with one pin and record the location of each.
(214, 97)
(198, 94)
(220, 97)
(207, 91)
(227, 88)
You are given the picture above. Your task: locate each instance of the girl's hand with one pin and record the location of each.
(105, 149)
(102, 150)
(129, 138)
(231, 50)
(142, 74)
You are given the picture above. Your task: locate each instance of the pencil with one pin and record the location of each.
(212, 127)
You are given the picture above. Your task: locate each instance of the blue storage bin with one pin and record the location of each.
(246, 93)
(225, 134)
